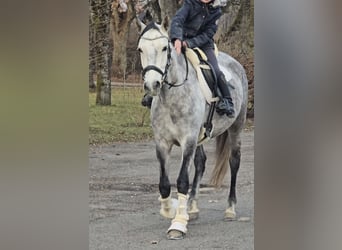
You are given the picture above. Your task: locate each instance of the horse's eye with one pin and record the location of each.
(165, 48)
(139, 50)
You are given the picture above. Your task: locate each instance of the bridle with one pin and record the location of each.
(168, 62)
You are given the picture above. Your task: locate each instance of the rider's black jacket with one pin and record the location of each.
(196, 23)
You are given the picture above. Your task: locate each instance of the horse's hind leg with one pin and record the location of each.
(199, 161)
(168, 204)
(234, 162)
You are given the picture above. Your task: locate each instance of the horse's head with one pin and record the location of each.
(155, 55)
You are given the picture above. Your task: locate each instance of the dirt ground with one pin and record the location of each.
(124, 206)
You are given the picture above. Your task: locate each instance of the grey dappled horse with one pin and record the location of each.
(178, 112)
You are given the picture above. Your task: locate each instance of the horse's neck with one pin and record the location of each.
(179, 69)
(179, 75)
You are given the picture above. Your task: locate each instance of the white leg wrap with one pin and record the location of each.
(230, 212)
(181, 219)
(168, 207)
(193, 207)
(193, 210)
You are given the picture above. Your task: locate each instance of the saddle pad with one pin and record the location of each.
(193, 58)
(195, 61)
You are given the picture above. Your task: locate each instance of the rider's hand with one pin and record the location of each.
(178, 46)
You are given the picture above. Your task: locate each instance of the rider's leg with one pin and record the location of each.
(225, 105)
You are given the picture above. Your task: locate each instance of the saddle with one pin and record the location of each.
(205, 73)
(208, 84)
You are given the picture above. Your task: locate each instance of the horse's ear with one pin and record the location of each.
(165, 23)
(140, 24)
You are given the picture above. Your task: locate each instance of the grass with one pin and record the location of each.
(124, 121)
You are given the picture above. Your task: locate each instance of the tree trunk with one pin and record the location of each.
(103, 88)
(92, 65)
(169, 8)
(122, 14)
(236, 29)
(103, 50)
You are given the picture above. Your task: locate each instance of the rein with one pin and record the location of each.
(168, 63)
(186, 77)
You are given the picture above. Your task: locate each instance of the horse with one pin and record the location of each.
(178, 112)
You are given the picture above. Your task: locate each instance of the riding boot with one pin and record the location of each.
(225, 105)
(147, 101)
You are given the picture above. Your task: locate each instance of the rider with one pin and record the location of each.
(195, 25)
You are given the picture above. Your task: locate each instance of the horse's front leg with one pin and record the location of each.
(178, 228)
(168, 205)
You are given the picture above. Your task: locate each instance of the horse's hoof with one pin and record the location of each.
(175, 235)
(230, 215)
(230, 218)
(193, 216)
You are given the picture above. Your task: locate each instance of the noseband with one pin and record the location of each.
(168, 62)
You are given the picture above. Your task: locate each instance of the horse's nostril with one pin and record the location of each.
(157, 84)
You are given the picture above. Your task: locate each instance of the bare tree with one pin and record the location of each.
(236, 29)
(156, 10)
(169, 7)
(92, 66)
(235, 36)
(100, 18)
(123, 12)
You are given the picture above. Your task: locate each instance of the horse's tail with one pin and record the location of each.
(222, 159)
